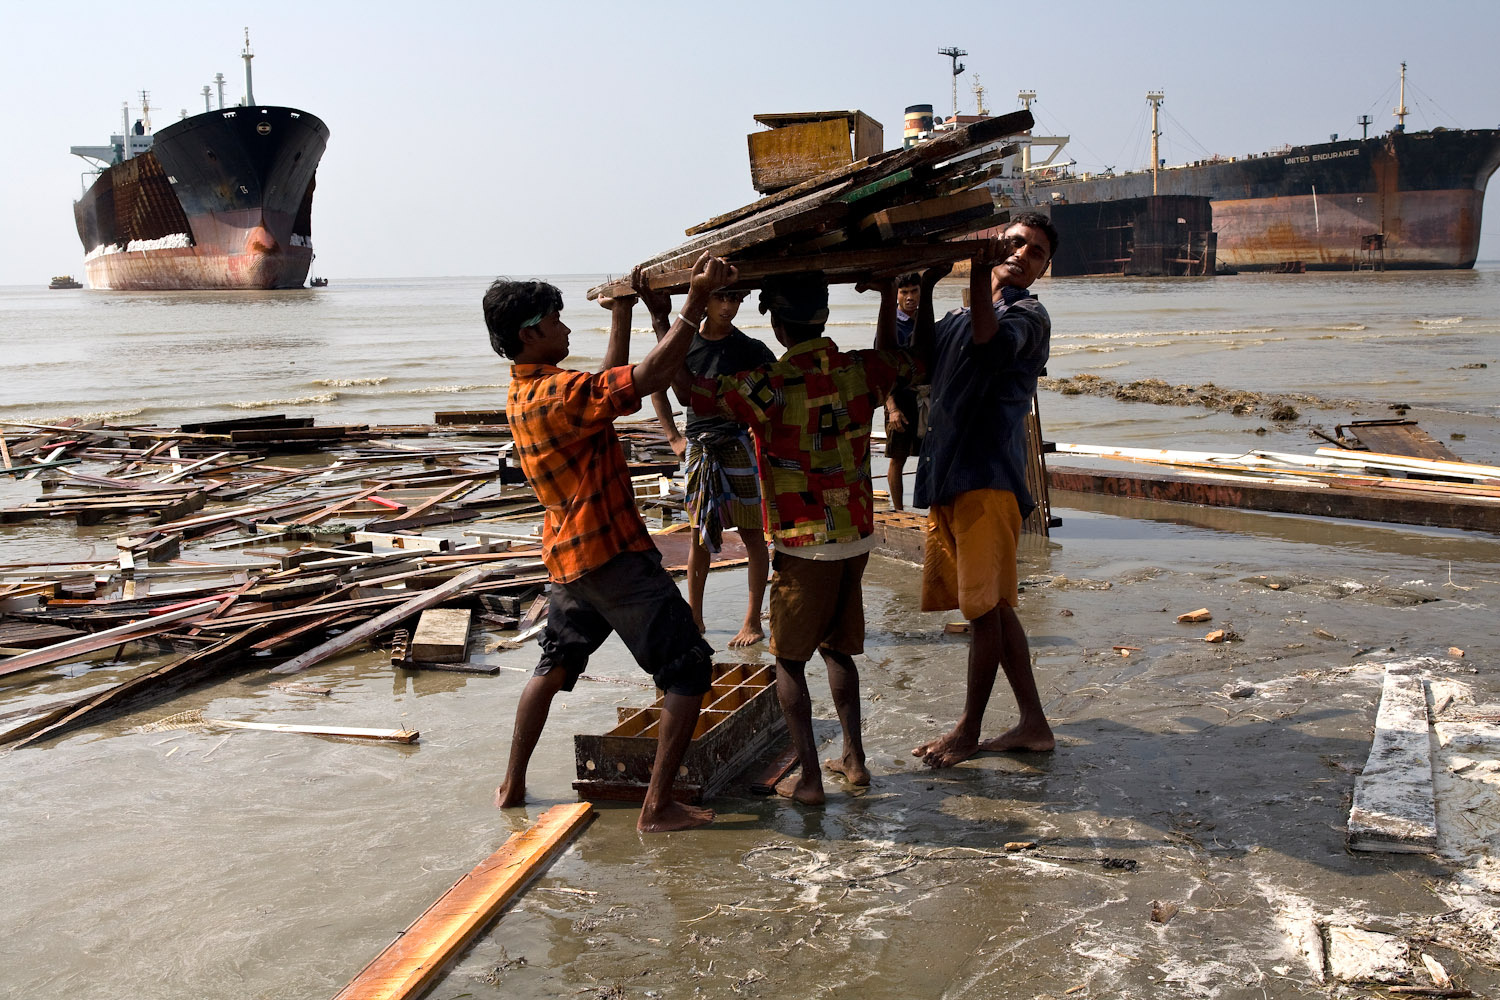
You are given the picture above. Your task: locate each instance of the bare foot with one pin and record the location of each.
(852, 769)
(698, 621)
(674, 816)
(505, 796)
(1036, 740)
(945, 751)
(748, 635)
(798, 789)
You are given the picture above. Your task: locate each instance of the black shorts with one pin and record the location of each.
(632, 595)
(904, 442)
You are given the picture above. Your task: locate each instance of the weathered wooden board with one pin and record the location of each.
(413, 962)
(442, 635)
(1393, 806)
(1446, 511)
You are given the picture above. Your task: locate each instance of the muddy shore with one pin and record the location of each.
(1213, 779)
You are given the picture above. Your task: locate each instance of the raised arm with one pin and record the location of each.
(981, 292)
(885, 319)
(921, 331)
(664, 364)
(617, 350)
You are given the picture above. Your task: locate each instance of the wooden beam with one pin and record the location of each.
(1394, 809)
(418, 956)
(424, 600)
(102, 640)
(1446, 511)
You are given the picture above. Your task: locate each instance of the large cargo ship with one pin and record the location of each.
(1402, 200)
(219, 200)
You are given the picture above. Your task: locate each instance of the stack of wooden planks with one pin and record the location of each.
(893, 211)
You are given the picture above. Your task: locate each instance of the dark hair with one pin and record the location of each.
(909, 279)
(1038, 221)
(508, 304)
(799, 332)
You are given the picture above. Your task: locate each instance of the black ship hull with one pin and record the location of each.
(223, 200)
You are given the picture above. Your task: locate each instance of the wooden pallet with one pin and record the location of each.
(741, 720)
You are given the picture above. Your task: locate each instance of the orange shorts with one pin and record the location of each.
(970, 558)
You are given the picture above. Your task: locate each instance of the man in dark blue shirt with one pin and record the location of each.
(972, 477)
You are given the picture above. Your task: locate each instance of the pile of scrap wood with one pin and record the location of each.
(1335, 482)
(221, 554)
(893, 211)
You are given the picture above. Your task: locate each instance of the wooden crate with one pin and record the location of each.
(741, 720)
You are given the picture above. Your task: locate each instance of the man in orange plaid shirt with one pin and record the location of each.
(605, 570)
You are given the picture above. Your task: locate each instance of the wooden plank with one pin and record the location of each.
(1467, 513)
(389, 540)
(839, 266)
(423, 601)
(1397, 437)
(791, 154)
(442, 635)
(138, 691)
(1394, 809)
(418, 956)
(95, 641)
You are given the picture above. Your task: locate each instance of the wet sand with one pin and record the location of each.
(1214, 778)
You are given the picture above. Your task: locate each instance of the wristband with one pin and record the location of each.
(694, 323)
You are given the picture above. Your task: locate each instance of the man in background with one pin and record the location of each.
(903, 424)
(723, 484)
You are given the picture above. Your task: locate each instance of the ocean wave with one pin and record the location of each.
(1445, 321)
(1135, 334)
(1343, 327)
(1109, 364)
(341, 383)
(428, 390)
(261, 404)
(103, 416)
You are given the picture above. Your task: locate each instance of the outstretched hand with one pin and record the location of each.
(623, 301)
(882, 285)
(936, 273)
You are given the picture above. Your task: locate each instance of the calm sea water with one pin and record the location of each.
(395, 351)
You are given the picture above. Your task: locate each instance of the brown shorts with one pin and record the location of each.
(970, 558)
(817, 603)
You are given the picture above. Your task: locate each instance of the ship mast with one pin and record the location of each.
(1026, 97)
(146, 111)
(958, 67)
(207, 105)
(219, 80)
(1400, 111)
(1155, 97)
(248, 55)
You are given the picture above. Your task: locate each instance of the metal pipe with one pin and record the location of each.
(248, 55)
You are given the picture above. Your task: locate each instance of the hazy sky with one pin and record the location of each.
(507, 138)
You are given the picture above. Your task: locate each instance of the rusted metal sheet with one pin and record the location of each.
(1358, 503)
(740, 720)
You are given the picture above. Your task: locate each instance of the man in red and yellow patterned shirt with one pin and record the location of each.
(812, 413)
(606, 574)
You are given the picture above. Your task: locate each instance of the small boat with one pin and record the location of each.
(64, 281)
(317, 282)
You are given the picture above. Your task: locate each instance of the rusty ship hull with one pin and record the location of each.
(222, 200)
(1405, 200)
